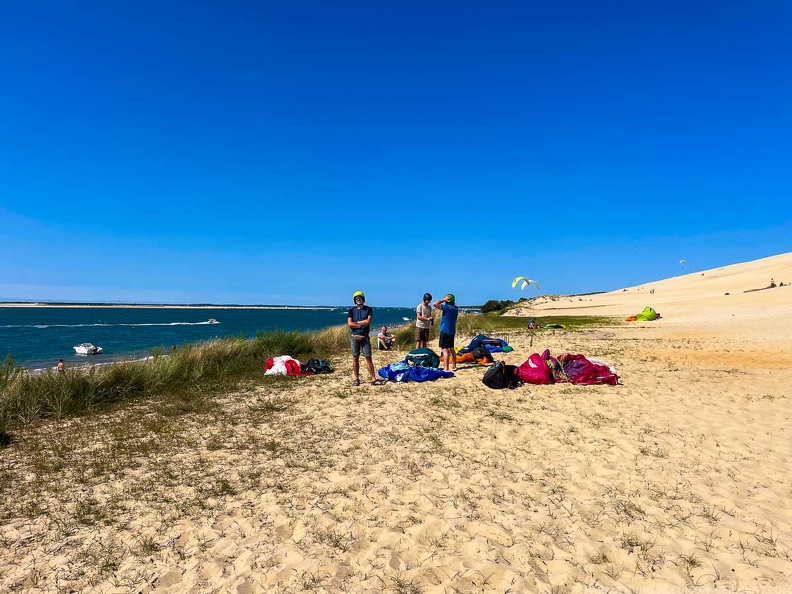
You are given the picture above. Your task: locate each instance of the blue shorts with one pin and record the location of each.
(446, 341)
(357, 347)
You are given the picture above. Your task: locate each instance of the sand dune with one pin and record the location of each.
(678, 479)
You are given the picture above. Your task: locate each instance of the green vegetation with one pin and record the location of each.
(495, 306)
(214, 367)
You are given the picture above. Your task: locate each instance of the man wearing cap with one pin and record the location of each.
(448, 329)
(359, 322)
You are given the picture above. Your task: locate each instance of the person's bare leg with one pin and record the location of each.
(356, 367)
(453, 359)
(370, 365)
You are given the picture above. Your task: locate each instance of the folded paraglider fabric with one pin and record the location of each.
(494, 345)
(403, 372)
(647, 315)
(283, 365)
(572, 368)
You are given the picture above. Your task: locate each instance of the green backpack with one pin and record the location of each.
(423, 357)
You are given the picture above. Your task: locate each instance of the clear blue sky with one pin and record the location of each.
(294, 152)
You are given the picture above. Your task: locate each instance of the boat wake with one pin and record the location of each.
(100, 324)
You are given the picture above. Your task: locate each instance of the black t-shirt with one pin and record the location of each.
(359, 314)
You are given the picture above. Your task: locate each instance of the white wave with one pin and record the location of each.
(204, 323)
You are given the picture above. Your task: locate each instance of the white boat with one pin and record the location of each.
(212, 321)
(87, 348)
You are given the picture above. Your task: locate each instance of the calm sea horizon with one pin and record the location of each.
(38, 335)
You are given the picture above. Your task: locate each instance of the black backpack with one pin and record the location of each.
(481, 352)
(423, 357)
(316, 366)
(501, 376)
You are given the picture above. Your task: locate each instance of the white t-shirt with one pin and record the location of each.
(425, 311)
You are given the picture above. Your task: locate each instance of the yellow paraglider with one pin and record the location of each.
(525, 282)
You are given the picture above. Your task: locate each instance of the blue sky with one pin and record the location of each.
(292, 153)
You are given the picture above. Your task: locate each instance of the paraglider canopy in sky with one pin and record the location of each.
(525, 282)
(682, 262)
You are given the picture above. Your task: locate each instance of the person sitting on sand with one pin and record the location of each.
(61, 367)
(385, 339)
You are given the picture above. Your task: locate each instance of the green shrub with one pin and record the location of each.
(494, 305)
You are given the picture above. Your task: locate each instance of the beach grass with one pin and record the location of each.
(214, 366)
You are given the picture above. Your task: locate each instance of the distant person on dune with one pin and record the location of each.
(61, 367)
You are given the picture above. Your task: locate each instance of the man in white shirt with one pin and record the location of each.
(386, 339)
(423, 321)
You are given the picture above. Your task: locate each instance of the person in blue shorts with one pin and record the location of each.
(448, 329)
(359, 322)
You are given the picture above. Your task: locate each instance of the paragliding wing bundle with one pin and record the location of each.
(525, 282)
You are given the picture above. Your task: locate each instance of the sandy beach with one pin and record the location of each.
(678, 479)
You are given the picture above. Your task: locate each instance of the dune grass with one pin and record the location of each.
(217, 365)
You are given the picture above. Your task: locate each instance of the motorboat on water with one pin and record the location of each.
(87, 348)
(212, 321)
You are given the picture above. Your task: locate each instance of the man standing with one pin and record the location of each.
(423, 321)
(448, 329)
(359, 321)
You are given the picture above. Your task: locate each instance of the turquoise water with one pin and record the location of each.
(37, 337)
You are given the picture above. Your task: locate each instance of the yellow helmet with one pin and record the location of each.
(358, 294)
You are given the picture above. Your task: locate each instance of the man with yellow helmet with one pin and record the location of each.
(359, 322)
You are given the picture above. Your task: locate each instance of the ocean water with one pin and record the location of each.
(36, 337)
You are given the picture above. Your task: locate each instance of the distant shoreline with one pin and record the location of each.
(161, 305)
(192, 306)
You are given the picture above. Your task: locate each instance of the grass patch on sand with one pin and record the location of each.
(503, 326)
(184, 380)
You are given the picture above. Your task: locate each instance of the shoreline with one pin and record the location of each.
(167, 306)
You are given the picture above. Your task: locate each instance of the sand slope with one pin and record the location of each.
(677, 479)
